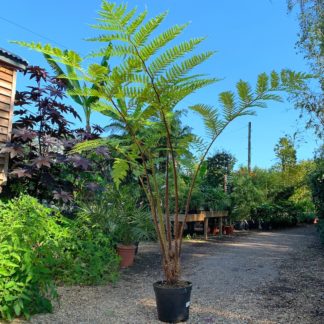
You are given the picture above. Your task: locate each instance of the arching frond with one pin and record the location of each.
(210, 118)
(132, 27)
(69, 57)
(88, 145)
(161, 40)
(170, 55)
(119, 171)
(147, 29)
(180, 70)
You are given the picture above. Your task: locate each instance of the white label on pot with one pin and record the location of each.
(188, 304)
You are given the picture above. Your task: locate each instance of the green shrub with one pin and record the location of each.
(29, 245)
(277, 215)
(119, 214)
(306, 217)
(317, 186)
(88, 256)
(39, 247)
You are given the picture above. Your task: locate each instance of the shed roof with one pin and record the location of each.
(12, 59)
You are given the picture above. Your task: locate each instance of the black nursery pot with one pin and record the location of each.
(172, 302)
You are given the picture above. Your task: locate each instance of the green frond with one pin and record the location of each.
(112, 12)
(227, 101)
(274, 80)
(119, 171)
(105, 26)
(51, 62)
(199, 144)
(133, 92)
(168, 57)
(106, 109)
(272, 97)
(88, 145)
(86, 92)
(123, 37)
(262, 83)
(180, 70)
(142, 79)
(146, 30)
(178, 92)
(147, 113)
(97, 72)
(73, 78)
(132, 27)
(210, 118)
(292, 81)
(125, 20)
(244, 91)
(115, 127)
(161, 40)
(70, 58)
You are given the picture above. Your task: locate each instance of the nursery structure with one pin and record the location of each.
(9, 64)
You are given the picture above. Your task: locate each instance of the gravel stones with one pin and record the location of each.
(250, 277)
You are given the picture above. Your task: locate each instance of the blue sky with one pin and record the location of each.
(250, 37)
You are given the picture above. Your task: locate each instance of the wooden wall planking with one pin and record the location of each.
(7, 97)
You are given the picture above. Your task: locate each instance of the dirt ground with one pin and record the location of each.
(250, 277)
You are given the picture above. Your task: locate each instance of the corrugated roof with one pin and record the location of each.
(12, 59)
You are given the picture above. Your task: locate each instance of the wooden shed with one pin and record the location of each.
(9, 65)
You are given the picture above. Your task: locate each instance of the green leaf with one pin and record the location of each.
(97, 71)
(146, 30)
(274, 80)
(210, 117)
(169, 56)
(119, 171)
(244, 91)
(10, 284)
(262, 83)
(17, 309)
(161, 40)
(136, 22)
(226, 98)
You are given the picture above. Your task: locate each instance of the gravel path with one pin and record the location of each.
(251, 277)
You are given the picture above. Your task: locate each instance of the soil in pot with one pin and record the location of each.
(127, 254)
(172, 301)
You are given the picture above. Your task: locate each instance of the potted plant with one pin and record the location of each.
(131, 223)
(140, 90)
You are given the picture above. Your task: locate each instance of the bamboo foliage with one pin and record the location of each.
(139, 95)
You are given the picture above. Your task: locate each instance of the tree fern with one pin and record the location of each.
(139, 93)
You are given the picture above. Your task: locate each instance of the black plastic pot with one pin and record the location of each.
(172, 302)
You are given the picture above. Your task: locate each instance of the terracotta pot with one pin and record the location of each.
(228, 230)
(127, 254)
(215, 230)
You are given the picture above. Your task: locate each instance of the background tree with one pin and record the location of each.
(219, 165)
(316, 179)
(311, 44)
(286, 153)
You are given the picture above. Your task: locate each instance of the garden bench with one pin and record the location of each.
(204, 217)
